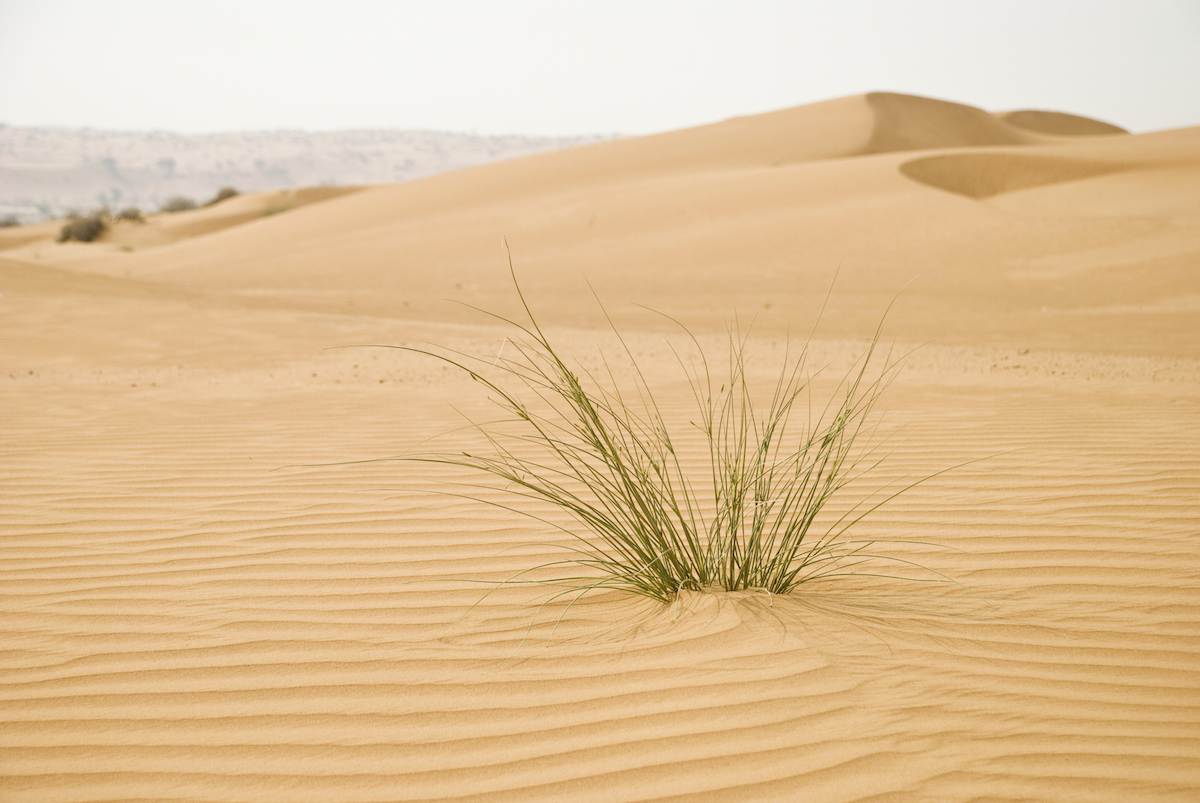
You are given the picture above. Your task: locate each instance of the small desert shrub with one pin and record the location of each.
(132, 214)
(83, 229)
(178, 203)
(9, 221)
(222, 194)
(653, 523)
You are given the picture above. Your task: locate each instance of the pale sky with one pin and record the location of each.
(565, 67)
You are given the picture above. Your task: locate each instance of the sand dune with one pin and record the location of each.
(770, 201)
(197, 606)
(155, 230)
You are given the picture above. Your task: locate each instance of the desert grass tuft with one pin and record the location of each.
(650, 523)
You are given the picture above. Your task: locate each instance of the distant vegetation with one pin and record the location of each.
(132, 214)
(222, 194)
(178, 203)
(9, 221)
(82, 228)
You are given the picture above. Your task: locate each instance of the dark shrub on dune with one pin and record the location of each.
(178, 203)
(222, 194)
(132, 214)
(83, 229)
(9, 221)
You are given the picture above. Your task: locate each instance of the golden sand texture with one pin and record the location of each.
(197, 607)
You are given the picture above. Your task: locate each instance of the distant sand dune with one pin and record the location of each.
(243, 209)
(779, 201)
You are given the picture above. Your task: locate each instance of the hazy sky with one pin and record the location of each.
(565, 67)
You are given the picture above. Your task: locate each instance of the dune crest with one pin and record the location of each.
(910, 122)
(1058, 124)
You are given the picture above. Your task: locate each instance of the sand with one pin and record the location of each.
(197, 606)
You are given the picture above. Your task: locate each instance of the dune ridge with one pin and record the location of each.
(1058, 123)
(906, 123)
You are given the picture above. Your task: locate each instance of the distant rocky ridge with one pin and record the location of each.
(45, 172)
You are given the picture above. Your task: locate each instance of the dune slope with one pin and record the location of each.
(755, 211)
